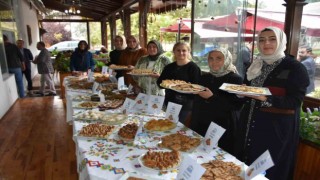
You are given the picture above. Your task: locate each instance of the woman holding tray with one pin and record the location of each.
(181, 69)
(215, 105)
(272, 122)
(119, 45)
(156, 61)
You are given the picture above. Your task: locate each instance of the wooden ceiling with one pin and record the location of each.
(99, 9)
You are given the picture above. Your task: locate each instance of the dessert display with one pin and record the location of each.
(217, 169)
(141, 72)
(96, 130)
(161, 160)
(101, 79)
(241, 88)
(111, 104)
(118, 67)
(78, 85)
(109, 118)
(159, 125)
(168, 83)
(128, 131)
(179, 142)
(87, 105)
(81, 98)
(91, 115)
(108, 87)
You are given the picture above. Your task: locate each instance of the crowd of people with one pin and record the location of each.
(253, 124)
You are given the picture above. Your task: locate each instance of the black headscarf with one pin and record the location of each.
(159, 47)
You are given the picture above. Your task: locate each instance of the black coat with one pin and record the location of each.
(221, 108)
(28, 57)
(275, 128)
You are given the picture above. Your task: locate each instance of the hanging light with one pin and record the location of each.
(72, 9)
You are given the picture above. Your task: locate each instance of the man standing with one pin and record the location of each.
(15, 63)
(28, 57)
(305, 57)
(45, 69)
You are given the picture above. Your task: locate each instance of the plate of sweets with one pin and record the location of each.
(160, 160)
(159, 125)
(217, 169)
(141, 72)
(119, 67)
(179, 142)
(96, 130)
(246, 90)
(182, 86)
(128, 132)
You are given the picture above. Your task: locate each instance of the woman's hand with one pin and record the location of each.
(130, 67)
(207, 93)
(155, 75)
(260, 98)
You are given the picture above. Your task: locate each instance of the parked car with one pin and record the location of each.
(64, 46)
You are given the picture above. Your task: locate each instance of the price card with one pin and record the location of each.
(155, 104)
(173, 111)
(261, 164)
(95, 87)
(90, 76)
(190, 169)
(121, 84)
(140, 103)
(104, 70)
(110, 71)
(212, 137)
(130, 88)
(102, 98)
(127, 105)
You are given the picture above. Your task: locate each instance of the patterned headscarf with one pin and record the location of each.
(255, 68)
(159, 51)
(227, 67)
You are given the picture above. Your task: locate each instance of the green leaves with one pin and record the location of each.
(310, 126)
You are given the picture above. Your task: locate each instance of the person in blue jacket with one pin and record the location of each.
(81, 58)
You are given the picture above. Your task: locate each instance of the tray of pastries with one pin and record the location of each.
(182, 86)
(141, 72)
(246, 90)
(179, 142)
(106, 118)
(86, 105)
(217, 169)
(84, 85)
(171, 82)
(119, 67)
(111, 104)
(101, 79)
(159, 125)
(81, 98)
(96, 130)
(160, 160)
(128, 132)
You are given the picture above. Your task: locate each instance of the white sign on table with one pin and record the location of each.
(140, 103)
(212, 136)
(90, 76)
(104, 70)
(155, 104)
(127, 106)
(172, 112)
(190, 169)
(95, 87)
(261, 164)
(121, 84)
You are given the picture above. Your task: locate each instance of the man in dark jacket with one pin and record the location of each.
(305, 56)
(15, 63)
(28, 57)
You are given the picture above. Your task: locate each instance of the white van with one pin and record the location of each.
(64, 46)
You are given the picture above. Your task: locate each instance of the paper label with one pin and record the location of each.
(121, 84)
(140, 103)
(104, 70)
(172, 112)
(90, 76)
(212, 136)
(261, 164)
(102, 98)
(190, 169)
(155, 104)
(95, 87)
(130, 88)
(127, 105)
(110, 72)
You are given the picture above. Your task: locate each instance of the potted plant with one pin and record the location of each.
(310, 125)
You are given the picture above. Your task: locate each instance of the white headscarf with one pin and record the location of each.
(255, 68)
(227, 67)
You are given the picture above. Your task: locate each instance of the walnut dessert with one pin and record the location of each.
(159, 125)
(161, 160)
(111, 104)
(113, 66)
(96, 130)
(128, 131)
(168, 83)
(88, 104)
(101, 79)
(179, 142)
(142, 71)
(188, 87)
(249, 89)
(216, 170)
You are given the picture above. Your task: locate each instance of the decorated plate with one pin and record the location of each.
(174, 159)
(246, 90)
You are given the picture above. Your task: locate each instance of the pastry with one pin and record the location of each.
(216, 170)
(128, 131)
(159, 125)
(179, 142)
(96, 130)
(248, 89)
(161, 160)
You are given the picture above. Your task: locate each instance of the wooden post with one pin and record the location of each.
(104, 36)
(113, 29)
(143, 12)
(292, 26)
(126, 21)
(88, 34)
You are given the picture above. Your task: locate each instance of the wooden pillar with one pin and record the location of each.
(292, 26)
(126, 21)
(113, 29)
(88, 35)
(144, 6)
(104, 36)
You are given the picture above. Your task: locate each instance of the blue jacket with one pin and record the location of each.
(310, 65)
(81, 61)
(28, 57)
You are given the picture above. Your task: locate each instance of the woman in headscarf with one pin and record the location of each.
(130, 56)
(119, 45)
(81, 59)
(272, 122)
(156, 61)
(215, 105)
